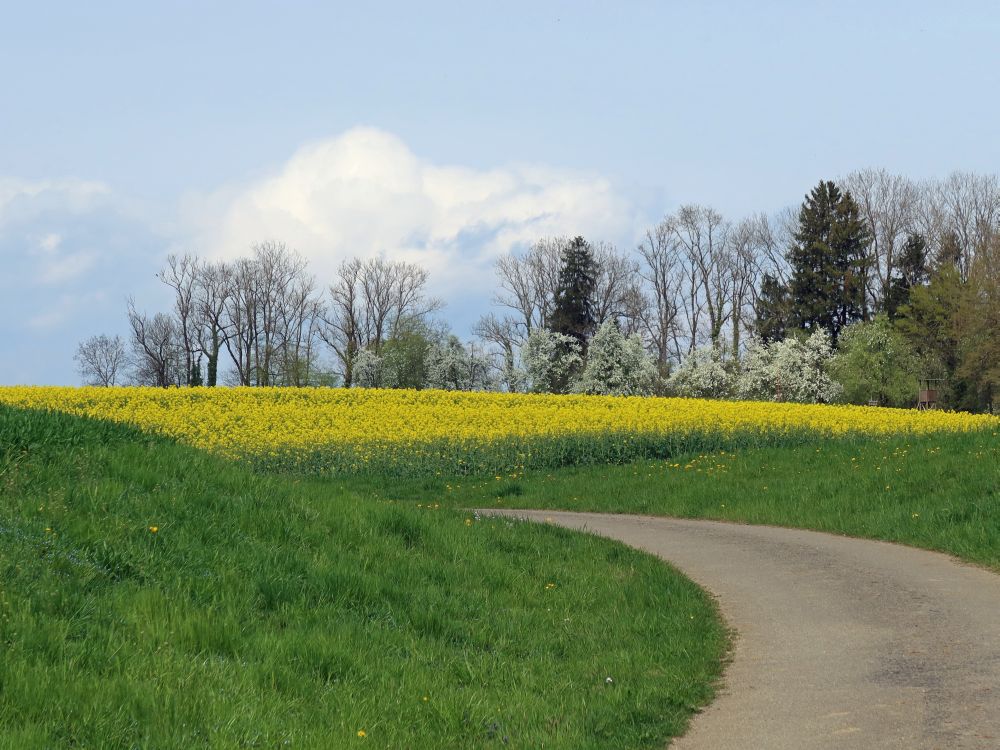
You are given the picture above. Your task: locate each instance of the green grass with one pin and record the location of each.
(518, 453)
(940, 492)
(274, 612)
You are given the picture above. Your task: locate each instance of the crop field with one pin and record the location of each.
(441, 432)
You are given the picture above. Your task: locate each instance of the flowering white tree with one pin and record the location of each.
(702, 374)
(367, 370)
(453, 367)
(617, 365)
(550, 359)
(789, 370)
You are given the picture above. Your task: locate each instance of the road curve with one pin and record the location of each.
(840, 643)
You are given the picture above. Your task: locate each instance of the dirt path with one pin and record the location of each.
(841, 643)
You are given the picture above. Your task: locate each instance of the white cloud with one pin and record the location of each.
(365, 193)
(24, 199)
(60, 310)
(64, 268)
(49, 243)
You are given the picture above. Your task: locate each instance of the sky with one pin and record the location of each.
(440, 133)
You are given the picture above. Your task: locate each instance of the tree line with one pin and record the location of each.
(874, 282)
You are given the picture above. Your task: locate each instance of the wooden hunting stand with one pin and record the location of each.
(927, 393)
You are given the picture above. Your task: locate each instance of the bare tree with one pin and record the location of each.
(181, 275)
(528, 284)
(101, 360)
(272, 317)
(342, 331)
(888, 203)
(616, 287)
(242, 318)
(299, 317)
(772, 236)
(660, 271)
(157, 354)
(504, 335)
(749, 243)
(369, 302)
(963, 209)
(211, 294)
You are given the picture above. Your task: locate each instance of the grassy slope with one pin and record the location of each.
(940, 492)
(270, 612)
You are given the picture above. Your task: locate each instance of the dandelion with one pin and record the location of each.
(362, 733)
(154, 529)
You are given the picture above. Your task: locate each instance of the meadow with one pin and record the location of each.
(154, 595)
(271, 568)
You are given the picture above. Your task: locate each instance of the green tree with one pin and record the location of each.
(195, 378)
(404, 357)
(773, 309)
(876, 362)
(927, 321)
(829, 262)
(977, 329)
(573, 313)
(911, 271)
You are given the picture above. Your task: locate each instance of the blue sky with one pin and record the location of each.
(439, 132)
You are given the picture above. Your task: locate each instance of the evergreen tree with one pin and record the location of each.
(829, 262)
(573, 313)
(911, 272)
(772, 310)
(195, 378)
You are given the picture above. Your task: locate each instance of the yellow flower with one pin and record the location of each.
(352, 428)
(154, 529)
(362, 733)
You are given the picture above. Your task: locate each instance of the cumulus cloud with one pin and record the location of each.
(72, 250)
(366, 193)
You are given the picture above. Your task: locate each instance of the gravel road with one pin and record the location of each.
(840, 643)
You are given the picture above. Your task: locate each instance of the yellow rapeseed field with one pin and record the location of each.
(355, 427)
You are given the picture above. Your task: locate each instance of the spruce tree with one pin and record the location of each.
(772, 309)
(829, 262)
(573, 313)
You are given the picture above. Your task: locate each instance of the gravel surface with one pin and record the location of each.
(840, 643)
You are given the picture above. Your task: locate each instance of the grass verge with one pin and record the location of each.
(154, 596)
(939, 492)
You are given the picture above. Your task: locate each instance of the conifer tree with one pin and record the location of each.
(573, 314)
(772, 310)
(829, 262)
